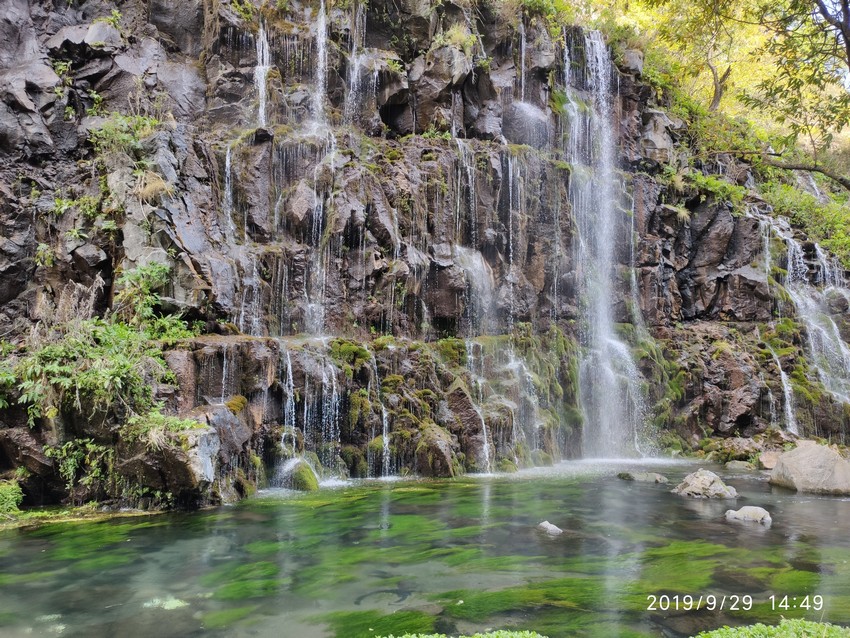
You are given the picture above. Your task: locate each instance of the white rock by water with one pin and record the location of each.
(750, 514)
(704, 484)
(813, 468)
(552, 530)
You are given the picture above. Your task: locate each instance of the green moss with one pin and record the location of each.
(506, 465)
(303, 478)
(367, 624)
(354, 461)
(452, 351)
(392, 382)
(795, 581)
(236, 404)
(226, 617)
(244, 589)
(358, 406)
(349, 352)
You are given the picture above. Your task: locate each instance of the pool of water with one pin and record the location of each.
(374, 558)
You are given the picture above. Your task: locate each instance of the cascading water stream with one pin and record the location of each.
(522, 47)
(477, 383)
(330, 433)
(321, 79)
(225, 381)
(481, 291)
(611, 397)
(787, 394)
(357, 59)
(828, 352)
(228, 190)
(289, 409)
(261, 72)
(386, 456)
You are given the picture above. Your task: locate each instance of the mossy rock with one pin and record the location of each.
(349, 352)
(236, 403)
(506, 465)
(540, 458)
(435, 455)
(392, 382)
(452, 351)
(303, 478)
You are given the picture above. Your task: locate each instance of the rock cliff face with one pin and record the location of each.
(375, 212)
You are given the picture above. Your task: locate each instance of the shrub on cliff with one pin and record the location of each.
(10, 497)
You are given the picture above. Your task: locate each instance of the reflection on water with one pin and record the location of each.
(373, 558)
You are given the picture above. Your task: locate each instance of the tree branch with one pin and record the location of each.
(811, 168)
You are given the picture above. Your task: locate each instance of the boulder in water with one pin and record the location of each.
(750, 514)
(704, 484)
(813, 468)
(549, 528)
(303, 478)
(643, 477)
(739, 465)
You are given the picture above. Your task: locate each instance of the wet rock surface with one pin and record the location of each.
(704, 484)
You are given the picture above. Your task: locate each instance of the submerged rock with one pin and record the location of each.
(643, 477)
(739, 465)
(704, 484)
(549, 528)
(750, 514)
(813, 468)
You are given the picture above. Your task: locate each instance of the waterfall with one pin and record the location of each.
(289, 408)
(827, 350)
(317, 277)
(465, 206)
(228, 190)
(386, 456)
(611, 396)
(261, 71)
(225, 369)
(512, 175)
(330, 441)
(522, 46)
(250, 314)
(787, 394)
(481, 290)
(356, 58)
(321, 79)
(385, 442)
(477, 383)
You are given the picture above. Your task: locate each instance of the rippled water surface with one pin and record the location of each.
(372, 558)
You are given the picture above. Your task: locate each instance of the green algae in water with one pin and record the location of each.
(368, 624)
(243, 589)
(394, 546)
(262, 548)
(226, 617)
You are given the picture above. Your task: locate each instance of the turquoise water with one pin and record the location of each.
(372, 558)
